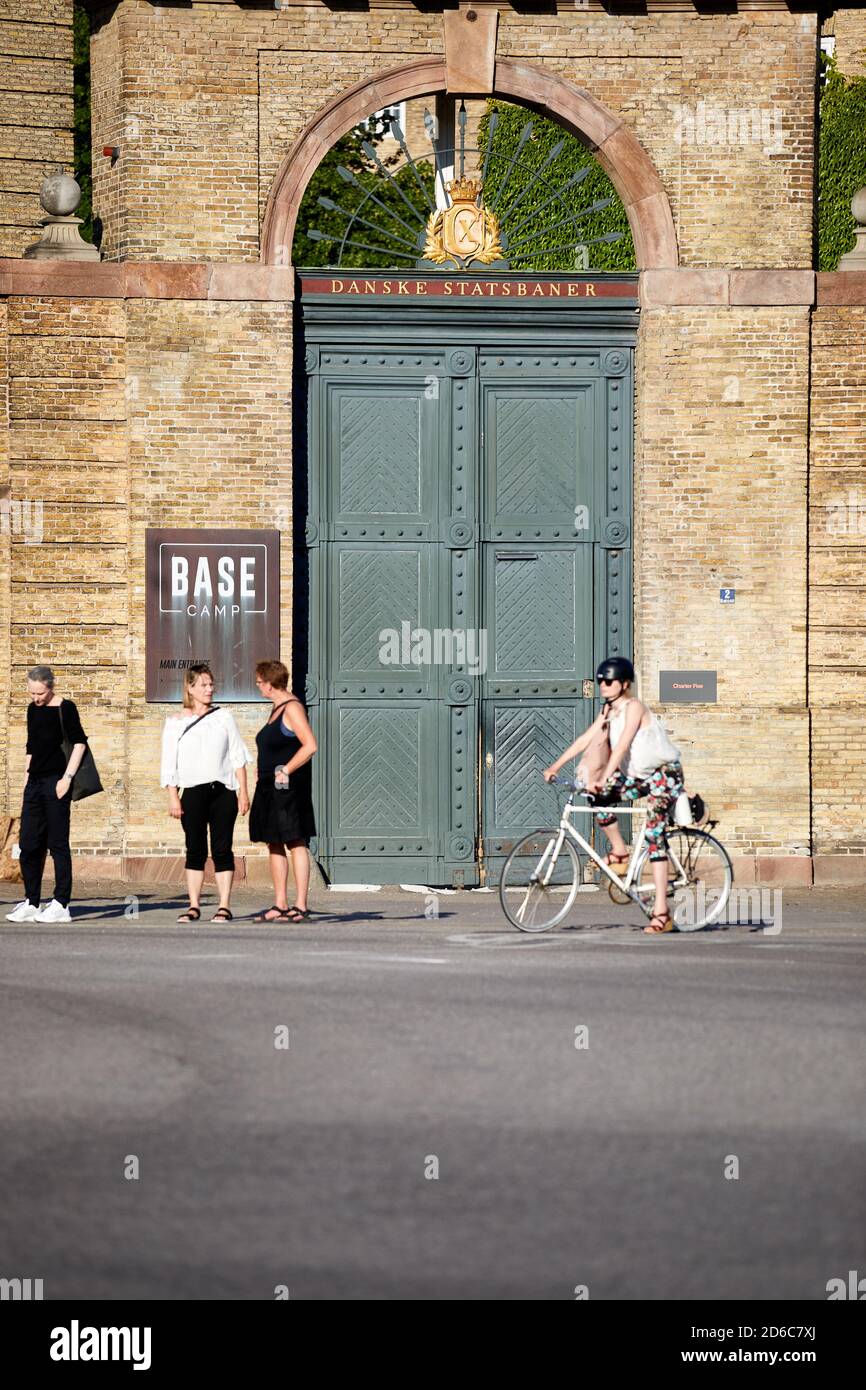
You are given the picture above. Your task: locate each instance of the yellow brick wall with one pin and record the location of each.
(210, 446)
(837, 569)
(721, 502)
(721, 495)
(67, 457)
(124, 416)
(5, 534)
(751, 764)
(850, 31)
(107, 129)
(211, 98)
(150, 413)
(35, 111)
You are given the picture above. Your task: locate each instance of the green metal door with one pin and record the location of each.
(537, 583)
(556, 503)
(393, 534)
(477, 501)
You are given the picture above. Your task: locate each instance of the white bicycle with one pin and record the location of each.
(543, 873)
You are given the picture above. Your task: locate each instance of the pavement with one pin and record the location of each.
(386, 1104)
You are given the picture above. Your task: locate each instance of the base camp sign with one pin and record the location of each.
(211, 596)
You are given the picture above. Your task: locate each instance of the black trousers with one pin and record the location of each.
(209, 805)
(45, 826)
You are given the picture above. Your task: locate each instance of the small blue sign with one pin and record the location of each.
(727, 595)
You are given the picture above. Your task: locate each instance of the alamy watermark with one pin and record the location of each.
(22, 520)
(438, 646)
(756, 906)
(77, 1343)
(705, 123)
(20, 1290)
(854, 1288)
(847, 516)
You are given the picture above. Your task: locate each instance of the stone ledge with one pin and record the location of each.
(783, 869)
(772, 287)
(763, 870)
(841, 287)
(244, 280)
(265, 282)
(144, 868)
(840, 868)
(247, 280)
(662, 289)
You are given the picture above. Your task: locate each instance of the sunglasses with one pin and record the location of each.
(603, 681)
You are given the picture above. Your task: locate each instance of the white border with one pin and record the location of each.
(214, 545)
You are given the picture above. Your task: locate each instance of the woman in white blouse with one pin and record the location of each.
(203, 752)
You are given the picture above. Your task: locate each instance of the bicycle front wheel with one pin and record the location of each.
(700, 877)
(540, 879)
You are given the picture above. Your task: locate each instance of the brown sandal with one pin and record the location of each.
(665, 924)
(617, 863)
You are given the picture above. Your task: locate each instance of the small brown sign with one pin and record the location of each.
(211, 596)
(688, 687)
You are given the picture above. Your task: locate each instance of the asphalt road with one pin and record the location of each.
(131, 1044)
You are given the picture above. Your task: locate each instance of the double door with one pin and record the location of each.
(469, 564)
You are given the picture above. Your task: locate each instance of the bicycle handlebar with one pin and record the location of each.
(598, 801)
(578, 787)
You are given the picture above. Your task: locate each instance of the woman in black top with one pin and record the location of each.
(282, 809)
(47, 798)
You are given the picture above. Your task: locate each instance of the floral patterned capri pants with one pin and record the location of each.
(661, 788)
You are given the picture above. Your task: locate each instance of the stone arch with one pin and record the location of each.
(614, 145)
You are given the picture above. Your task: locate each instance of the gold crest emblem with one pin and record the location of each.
(464, 232)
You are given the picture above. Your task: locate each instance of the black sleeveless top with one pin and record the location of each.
(275, 745)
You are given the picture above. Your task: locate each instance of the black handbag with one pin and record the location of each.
(86, 780)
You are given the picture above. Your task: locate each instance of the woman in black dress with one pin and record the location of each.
(282, 811)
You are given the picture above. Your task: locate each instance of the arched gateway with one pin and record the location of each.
(616, 148)
(466, 484)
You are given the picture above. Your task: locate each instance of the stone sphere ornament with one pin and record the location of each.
(60, 239)
(60, 194)
(855, 259)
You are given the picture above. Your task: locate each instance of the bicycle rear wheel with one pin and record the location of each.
(700, 877)
(539, 881)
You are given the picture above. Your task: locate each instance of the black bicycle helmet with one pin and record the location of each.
(615, 668)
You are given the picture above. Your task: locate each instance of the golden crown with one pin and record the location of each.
(464, 190)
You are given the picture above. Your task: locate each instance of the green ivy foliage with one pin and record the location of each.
(81, 121)
(841, 161)
(328, 183)
(542, 253)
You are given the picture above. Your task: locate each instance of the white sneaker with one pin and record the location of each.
(24, 912)
(54, 912)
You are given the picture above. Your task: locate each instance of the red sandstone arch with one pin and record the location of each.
(620, 154)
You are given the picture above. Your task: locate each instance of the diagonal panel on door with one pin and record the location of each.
(395, 575)
(540, 416)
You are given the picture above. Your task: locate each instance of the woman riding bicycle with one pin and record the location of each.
(642, 762)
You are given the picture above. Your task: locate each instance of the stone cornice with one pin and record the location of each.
(663, 289)
(147, 280)
(226, 281)
(634, 9)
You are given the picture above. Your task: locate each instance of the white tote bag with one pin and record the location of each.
(651, 747)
